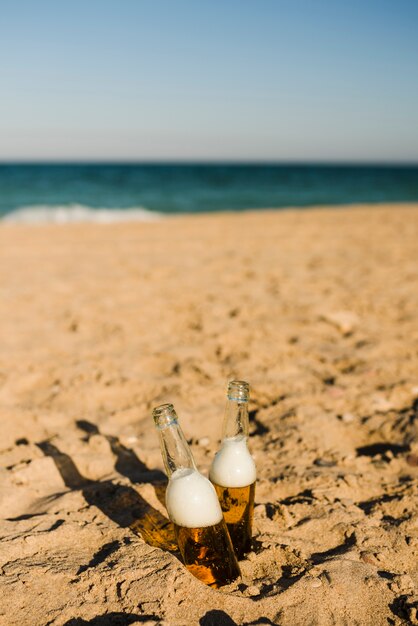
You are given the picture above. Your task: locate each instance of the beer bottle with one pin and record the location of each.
(233, 471)
(193, 507)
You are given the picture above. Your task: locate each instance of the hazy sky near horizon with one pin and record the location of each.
(209, 79)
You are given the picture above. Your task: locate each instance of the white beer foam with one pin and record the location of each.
(233, 465)
(191, 500)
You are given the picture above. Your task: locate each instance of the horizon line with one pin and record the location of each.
(210, 161)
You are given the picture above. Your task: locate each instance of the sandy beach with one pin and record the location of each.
(316, 309)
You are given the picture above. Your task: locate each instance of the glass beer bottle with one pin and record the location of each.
(233, 471)
(193, 507)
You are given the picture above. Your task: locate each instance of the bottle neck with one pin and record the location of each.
(174, 448)
(236, 419)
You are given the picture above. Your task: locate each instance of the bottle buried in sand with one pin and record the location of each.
(193, 507)
(233, 471)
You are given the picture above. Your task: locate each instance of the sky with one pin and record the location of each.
(252, 80)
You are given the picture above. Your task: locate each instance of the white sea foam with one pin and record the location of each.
(191, 500)
(75, 213)
(233, 465)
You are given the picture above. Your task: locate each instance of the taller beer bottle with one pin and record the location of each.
(233, 471)
(193, 507)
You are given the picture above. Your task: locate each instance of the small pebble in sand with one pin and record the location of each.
(324, 462)
(369, 558)
(347, 418)
(131, 439)
(412, 459)
(253, 590)
(345, 321)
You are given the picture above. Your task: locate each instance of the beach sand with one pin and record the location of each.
(316, 309)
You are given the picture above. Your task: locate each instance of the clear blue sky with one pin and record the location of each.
(209, 79)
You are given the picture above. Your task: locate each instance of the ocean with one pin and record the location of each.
(106, 192)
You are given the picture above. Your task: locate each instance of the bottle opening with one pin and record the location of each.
(164, 415)
(238, 391)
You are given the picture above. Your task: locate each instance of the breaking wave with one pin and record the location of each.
(76, 213)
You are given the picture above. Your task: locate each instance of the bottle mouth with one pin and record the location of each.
(238, 391)
(164, 415)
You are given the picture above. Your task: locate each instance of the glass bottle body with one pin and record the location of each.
(194, 509)
(237, 505)
(233, 471)
(208, 554)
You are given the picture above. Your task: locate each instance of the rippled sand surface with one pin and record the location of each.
(316, 309)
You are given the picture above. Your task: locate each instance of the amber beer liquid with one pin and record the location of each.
(203, 551)
(233, 471)
(237, 505)
(193, 507)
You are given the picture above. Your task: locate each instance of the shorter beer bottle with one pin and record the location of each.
(233, 471)
(193, 507)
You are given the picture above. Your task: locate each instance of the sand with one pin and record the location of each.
(316, 309)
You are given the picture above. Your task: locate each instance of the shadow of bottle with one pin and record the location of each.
(120, 503)
(127, 462)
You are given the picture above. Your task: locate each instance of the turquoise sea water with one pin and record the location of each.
(106, 192)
